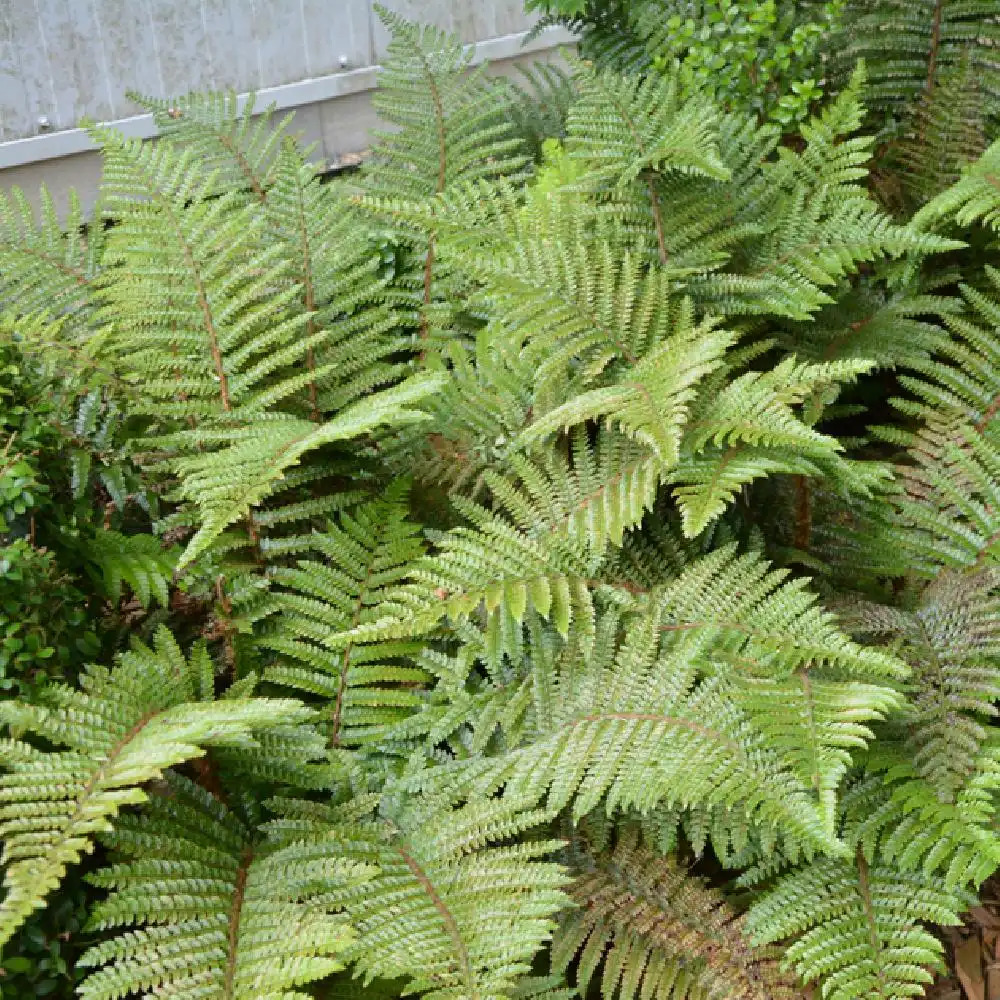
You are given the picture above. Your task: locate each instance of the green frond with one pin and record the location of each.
(365, 687)
(902, 819)
(661, 713)
(233, 140)
(453, 908)
(444, 130)
(47, 263)
(490, 567)
(140, 561)
(198, 296)
(354, 344)
(947, 131)
(226, 483)
(972, 198)
(123, 728)
(909, 45)
(650, 403)
(646, 927)
(857, 926)
(951, 640)
(623, 126)
(444, 113)
(218, 911)
(596, 492)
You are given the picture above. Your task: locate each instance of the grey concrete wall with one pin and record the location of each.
(63, 60)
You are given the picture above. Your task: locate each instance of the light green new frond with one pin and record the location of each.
(857, 926)
(226, 483)
(123, 729)
(650, 402)
(750, 427)
(51, 263)
(219, 913)
(645, 927)
(595, 492)
(366, 687)
(973, 198)
(633, 727)
(571, 297)
(623, 126)
(455, 907)
(901, 817)
(140, 561)
(491, 571)
(764, 624)
(815, 723)
(233, 141)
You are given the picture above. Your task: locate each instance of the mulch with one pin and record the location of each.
(974, 952)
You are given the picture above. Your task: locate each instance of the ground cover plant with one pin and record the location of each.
(558, 559)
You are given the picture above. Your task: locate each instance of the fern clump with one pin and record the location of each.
(558, 559)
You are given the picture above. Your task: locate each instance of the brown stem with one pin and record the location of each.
(442, 178)
(309, 300)
(864, 891)
(447, 918)
(235, 911)
(658, 219)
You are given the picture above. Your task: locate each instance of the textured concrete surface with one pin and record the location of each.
(65, 60)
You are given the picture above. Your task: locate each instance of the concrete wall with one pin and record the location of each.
(63, 60)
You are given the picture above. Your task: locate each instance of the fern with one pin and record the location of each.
(447, 909)
(504, 459)
(220, 910)
(650, 928)
(858, 925)
(365, 686)
(124, 728)
(137, 560)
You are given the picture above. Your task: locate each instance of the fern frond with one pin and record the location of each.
(366, 687)
(908, 45)
(123, 729)
(597, 492)
(450, 909)
(50, 263)
(974, 197)
(140, 561)
(947, 132)
(902, 818)
(226, 483)
(951, 639)
(219, 911)
(237, 144)
(664, 711)
(649, 928)
(858, 926)
(624, 126)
